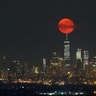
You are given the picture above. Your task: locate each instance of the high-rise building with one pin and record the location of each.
(56, 66)
(78, 54)
(79, 65)
(18, 68)
(94, 64)
(54, 61)
(94, 60)
(85, 58)
(67, 52)
(44, 64)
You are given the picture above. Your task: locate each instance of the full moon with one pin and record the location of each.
(66, 25)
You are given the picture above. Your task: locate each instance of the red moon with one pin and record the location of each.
(66, 25)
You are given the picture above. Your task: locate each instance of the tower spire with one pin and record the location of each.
(66, 37)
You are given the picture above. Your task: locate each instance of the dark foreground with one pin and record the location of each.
(45, 90)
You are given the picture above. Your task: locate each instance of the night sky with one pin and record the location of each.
(28, 28)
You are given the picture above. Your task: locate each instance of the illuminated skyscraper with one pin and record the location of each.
(54, 61)
(44, 64)
(67, 51)
(85, 58)
(79, 65)
(94, 65)
(78, 55)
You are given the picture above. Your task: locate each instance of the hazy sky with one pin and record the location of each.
(29, 28)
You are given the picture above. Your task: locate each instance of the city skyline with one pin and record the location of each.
(29, 29)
